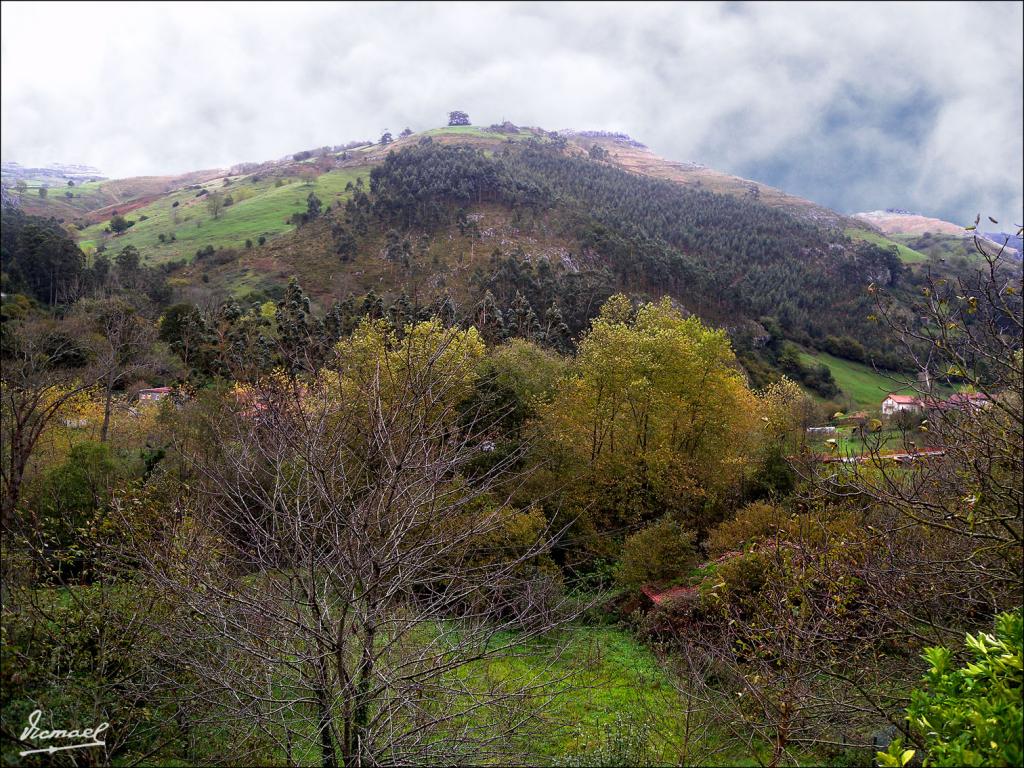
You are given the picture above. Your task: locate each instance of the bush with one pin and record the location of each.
(972, 715)
(262, 239)
(662, 552)
(119, 223)
(753, 522)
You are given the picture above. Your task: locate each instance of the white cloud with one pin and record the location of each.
(857, 106)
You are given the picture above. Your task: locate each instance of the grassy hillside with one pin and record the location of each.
(89, 201)
(907, 255)
(865, 386)
(939, 246)
(262, 207)
(626, 221)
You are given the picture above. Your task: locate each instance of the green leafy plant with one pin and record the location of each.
(971, 715)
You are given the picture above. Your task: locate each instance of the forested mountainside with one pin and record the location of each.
(500, 226)
(479, 447)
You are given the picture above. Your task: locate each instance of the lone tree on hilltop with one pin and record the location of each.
(386, 138)
(406, 132)
(458, 118)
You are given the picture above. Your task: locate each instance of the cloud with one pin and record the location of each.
(855, 106)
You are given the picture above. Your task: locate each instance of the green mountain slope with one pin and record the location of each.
(454, 213)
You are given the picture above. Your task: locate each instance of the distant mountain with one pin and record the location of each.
(935, 237)
(1016, 242)
(55, 173)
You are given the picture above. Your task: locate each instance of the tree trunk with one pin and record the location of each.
(327, 756)
(361, 713)
(106, 409)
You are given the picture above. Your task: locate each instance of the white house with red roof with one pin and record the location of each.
(900, 404)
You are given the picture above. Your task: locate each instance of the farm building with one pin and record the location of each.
(894, 404)
(154, 394)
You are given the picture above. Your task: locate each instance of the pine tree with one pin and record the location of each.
(373, 306)
(555, 333)
(489, 319)
(299, 334)
(522, 320)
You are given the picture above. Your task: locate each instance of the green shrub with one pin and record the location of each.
(661, 553)
(972, 715)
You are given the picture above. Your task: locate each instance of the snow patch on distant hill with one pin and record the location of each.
(12, 171)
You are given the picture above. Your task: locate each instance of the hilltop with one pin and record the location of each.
(931, 237)
(548, 223)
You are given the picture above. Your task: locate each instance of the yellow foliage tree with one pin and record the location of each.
(655, 417)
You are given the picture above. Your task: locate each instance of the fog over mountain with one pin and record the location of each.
(855, 107)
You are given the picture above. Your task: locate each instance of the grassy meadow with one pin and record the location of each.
(261, 207)
(865, 386)
(907, 255)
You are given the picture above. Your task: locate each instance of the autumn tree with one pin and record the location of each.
(46, 377)
(343, 568)
(122, 343)
(655, 416)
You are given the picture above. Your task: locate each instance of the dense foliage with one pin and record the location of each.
(973, 714)
(354, 526)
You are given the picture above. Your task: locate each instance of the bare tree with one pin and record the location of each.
(122, 342)
(345, 559)
(44, 370)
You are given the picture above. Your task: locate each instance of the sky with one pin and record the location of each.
(855, 106)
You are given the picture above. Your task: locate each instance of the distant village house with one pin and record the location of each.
(961, 401)
(894, 404)
(154, 394)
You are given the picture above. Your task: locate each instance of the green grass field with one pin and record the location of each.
(85, 197)
(472, 130)
(940, 246)
(865, 387)
(907, 255)
(264, 211)
(849, 443)
(610, 680)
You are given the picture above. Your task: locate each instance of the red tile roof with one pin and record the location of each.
(903, 399)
